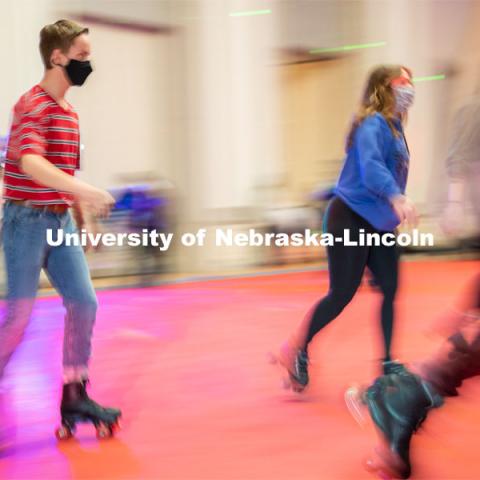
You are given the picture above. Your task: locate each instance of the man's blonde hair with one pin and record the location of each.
(61, 35)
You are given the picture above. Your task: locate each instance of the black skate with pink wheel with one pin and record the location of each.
(77, 407)
(397, 404)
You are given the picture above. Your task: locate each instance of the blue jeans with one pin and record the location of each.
(26, 253)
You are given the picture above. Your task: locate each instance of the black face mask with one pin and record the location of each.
(77, 71)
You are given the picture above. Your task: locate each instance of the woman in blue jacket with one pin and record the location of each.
(369, 196)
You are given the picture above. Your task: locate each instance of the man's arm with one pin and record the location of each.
(462, 152)
(463, 146)
(42, 171)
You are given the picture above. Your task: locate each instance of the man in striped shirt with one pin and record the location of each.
(39, 188)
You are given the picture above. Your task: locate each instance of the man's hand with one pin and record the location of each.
(87, 222)
(96, 201)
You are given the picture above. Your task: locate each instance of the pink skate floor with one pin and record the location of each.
(187, 365)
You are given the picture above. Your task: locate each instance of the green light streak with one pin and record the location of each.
(429, 78)
(346, 48)
(250, 13)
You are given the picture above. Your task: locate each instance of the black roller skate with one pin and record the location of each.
(397, 404)
(78, 407)
(295, 362)
(301, 368)
(393, 366)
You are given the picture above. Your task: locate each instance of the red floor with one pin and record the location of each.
(187, 365)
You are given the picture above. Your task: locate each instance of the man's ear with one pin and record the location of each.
(56, 57)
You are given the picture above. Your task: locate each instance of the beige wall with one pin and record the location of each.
(232, 130)
(205, 108)
(21, 22)
(125, 107)
(318, 100)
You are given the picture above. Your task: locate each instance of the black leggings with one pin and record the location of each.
(346, 266)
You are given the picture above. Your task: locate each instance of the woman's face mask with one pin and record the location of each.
(404, 98)
(404, 93)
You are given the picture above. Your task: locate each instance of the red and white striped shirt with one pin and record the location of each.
(41, 126)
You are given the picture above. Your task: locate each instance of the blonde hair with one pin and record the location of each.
(378, 97)
(61, 35)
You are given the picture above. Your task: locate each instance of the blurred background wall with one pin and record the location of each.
(241, 106)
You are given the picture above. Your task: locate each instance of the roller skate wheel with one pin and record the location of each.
(63, 433)
(378, 470)
(297, 387)
(116, 426)
(355, 404)
(103, 431)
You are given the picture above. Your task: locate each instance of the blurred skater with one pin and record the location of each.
(398, 403)
(369, 196)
